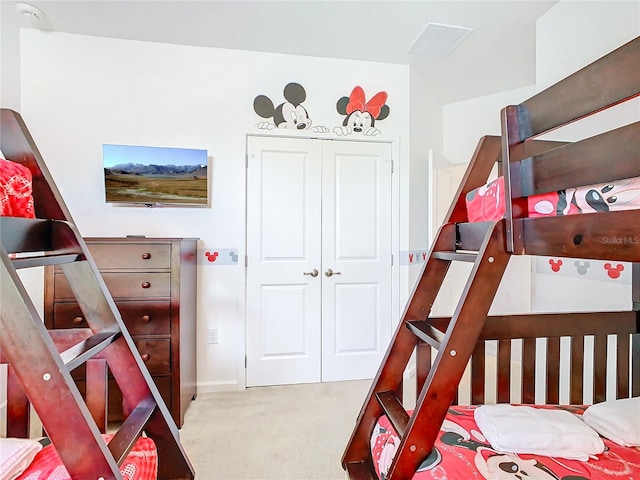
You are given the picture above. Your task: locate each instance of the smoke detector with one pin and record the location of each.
(439, 39)
(29, 11)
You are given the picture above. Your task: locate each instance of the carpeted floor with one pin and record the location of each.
(295, 432)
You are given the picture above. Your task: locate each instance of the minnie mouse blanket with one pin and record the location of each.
(487, 202)
(462, 453)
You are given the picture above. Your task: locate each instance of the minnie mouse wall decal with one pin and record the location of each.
(361, 116)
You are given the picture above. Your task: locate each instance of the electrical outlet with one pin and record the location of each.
(213, 337)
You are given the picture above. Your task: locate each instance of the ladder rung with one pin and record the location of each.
(131, 429)
(81, 352)
(359, 471)
(394, 411)
(458, 256)
(46, 258)
(426, 332)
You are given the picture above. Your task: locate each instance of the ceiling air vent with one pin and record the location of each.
(439, 39)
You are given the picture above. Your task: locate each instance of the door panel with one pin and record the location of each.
(356, 241)
(283, 224)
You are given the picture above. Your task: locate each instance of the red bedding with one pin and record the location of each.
(141, 463)
(462, 453)
(15, 190)
(487, 202)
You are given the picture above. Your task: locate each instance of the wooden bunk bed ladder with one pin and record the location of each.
(457, 241)
(42, 360)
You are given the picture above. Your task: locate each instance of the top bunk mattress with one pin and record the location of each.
(487, 202)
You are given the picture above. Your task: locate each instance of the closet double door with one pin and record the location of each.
(319, 257)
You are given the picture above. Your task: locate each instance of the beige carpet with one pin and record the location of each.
(295, 432)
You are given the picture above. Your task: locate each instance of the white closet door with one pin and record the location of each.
(316, 205)
(283, 244)
(356, 246)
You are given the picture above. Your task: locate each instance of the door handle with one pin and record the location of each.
(313, 273)
(331, 273)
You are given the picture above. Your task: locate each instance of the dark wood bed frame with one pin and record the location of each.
(40, 361)
(530, 166)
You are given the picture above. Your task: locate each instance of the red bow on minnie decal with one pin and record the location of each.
(360, 115)
(373, 106)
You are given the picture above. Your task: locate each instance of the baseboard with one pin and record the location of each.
(220, 386)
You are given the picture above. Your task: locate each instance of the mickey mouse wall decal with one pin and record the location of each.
(289, 114)
(361, 116)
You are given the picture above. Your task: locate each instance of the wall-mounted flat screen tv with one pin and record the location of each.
(155, 176)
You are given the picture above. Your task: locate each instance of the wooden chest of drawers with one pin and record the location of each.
(153, 283)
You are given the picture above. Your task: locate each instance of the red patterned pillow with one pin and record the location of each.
(16, 199)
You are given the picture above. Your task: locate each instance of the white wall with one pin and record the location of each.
(464, 123)
(9, 59)
(78, 92)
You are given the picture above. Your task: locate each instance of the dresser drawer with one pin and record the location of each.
(141, 318)
(122, 285)
(156, 354)
(135, 255)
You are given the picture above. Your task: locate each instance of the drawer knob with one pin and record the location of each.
(146, 318)
(78, 320)
(146, 356)
(146, 256)
(146, 285)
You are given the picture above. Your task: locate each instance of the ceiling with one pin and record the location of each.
(498, 55)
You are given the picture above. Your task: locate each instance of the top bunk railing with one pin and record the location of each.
(607, 157)
(17, 145)
(51, 236)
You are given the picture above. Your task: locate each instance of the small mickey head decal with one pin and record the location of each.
(234, 257)
(211, 256)
(582, 268)
(555, 264)
(614, 272)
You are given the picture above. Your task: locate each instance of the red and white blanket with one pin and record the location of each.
(487, 202)
(462, 453)
(140, 464)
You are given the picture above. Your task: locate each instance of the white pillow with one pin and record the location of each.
(538, 431)
(16, 454)
(617, 420)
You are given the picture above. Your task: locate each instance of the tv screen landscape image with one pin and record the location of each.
(155, 175)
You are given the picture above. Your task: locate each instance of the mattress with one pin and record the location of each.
(486, 203)
(462, 452)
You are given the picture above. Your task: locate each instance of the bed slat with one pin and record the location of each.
(553, 371)
(622, 366)
(581, 163)
(478, 374)
(528, 370)
(504, 371)
(576, 390)
(635, 365)
(599, 368)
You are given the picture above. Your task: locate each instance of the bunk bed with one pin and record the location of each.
(41, 365)
(536, 206)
